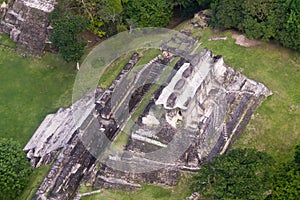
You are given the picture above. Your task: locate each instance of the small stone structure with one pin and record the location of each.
(27, 23)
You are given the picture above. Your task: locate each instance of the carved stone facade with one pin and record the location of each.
(27, 23)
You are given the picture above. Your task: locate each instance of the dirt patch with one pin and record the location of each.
(175, 22)
(242, 40)
(91, 39)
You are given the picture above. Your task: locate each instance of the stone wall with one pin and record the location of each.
(27, 23)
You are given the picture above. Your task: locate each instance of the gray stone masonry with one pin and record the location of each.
(27, 23)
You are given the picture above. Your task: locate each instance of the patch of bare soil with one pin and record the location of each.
(175, 22)
(242, 40)
(92, 39)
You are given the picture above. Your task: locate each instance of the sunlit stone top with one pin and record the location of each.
(184, 84)
(44, 5)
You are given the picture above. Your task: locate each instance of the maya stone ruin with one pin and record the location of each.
(27, 23)
(204, 104)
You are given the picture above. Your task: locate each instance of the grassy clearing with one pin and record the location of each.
(116, 67)
(113, 70)
(6, 41)
(275, 126)
(147, 56)
(29, 90)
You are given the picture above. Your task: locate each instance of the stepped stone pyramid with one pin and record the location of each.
(193, 117)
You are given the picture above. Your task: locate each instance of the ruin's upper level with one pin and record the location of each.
(27, 24)
(43, 5)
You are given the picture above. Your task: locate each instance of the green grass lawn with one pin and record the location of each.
(29, 90)
(6, 41)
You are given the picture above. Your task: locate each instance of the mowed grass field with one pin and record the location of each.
(29, 90)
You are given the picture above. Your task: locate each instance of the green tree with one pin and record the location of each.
(286, 183)
(288, 33)
(65, 34)
(181, 3)
(240, 174)
(262, 19)
(155, 13)
(204, 4)
(187, 8)
(104, 15)
(226, 13)
(14, 169)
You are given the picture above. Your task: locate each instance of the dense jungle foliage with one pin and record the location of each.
(277, 20)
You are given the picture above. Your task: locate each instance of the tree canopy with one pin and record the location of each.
(14, 169)
(155, 13)
(263, 19)
(286, 182)
(240, 174)
(104, 15)
(248, 174)
(260, 19)
(288, 33)
(65, 34)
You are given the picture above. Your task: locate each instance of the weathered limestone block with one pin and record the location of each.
(14, 34)
(26, 21)
(115, 184)
(64, 177)
(167, 175)
(194, 196)
(54, 133)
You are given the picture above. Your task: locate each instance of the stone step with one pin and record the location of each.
(148, 140)
(115, 183)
